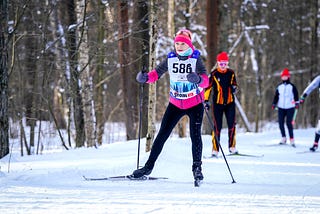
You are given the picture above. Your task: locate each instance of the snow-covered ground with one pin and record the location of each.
(282, 181)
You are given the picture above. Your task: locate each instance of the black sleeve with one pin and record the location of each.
(200, 68)
(295, 93)
(234, 79)
(162, 67)
(276, 97)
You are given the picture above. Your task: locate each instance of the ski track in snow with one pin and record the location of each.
(281, 181)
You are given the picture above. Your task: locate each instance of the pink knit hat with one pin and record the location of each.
(184, 35)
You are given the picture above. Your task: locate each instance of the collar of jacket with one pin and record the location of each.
(286, 81)
(183, 57)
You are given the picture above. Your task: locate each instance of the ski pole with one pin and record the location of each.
(218, 141)
(140, 117)
(294, 116)
(215, 136)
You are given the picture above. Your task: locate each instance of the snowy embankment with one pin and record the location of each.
(282, 181)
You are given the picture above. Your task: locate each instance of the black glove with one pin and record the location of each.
(207, 105)
(234, 89)
(142, 77)
(274, 106)
(194, 78)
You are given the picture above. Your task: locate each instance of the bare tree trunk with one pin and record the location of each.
(23, 139)
(63, 58)
(145, 37)
(153, 23)
(212, 22)
(34, 101)
(139, 41)
(128, 77)
(258, 81)
(314, 112)
(187, 13)
(99, 107)
(31, 67)
(59, 108)
(86, 77)
(4, 77)
(75, 75)
(22, 135)
(212, 14)
(171, 23)
(242, 114)
(33, 113)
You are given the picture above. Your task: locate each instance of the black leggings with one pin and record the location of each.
(282, 113)
(170, 118)
(230, 112)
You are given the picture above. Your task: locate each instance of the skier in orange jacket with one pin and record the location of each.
(222, 85)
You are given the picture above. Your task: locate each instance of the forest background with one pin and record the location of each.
(73, 63)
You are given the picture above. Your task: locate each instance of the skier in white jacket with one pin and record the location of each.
(286, 100)
(313, 85)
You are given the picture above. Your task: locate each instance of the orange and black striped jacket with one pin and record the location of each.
(222, 86)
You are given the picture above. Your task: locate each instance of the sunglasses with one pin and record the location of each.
(222, 64)
(184, 32)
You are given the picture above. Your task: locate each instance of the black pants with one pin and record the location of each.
(288, 115)
(230, 112)
(170, 118)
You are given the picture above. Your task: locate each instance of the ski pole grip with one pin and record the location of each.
(144, 69)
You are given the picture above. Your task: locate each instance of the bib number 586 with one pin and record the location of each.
(181, 68)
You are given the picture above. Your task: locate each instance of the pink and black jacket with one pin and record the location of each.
(183, 94)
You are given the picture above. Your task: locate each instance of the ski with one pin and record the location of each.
(236, 154)
(279, 144)
(308, 151)
(122, 177)
(246, 155)
(211, 157)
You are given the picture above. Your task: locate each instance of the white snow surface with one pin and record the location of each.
(284, 180)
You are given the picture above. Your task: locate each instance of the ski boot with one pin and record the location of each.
(314, 147)
(142, 172)
(197, 174)
(233, 151)
(292, 142)
(215, 154)
(283, 141)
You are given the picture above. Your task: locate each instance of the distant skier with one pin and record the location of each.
(222, 85)
(188, 79)
(286, 100)
(313, 85)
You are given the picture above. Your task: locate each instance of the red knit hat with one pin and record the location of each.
(184, 35)
(285, 72)
(223, 56)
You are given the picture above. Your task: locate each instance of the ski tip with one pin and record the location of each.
(246, 155)
(211, 157)
(307, 151)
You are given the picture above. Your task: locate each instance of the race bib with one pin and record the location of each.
(180, 87)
